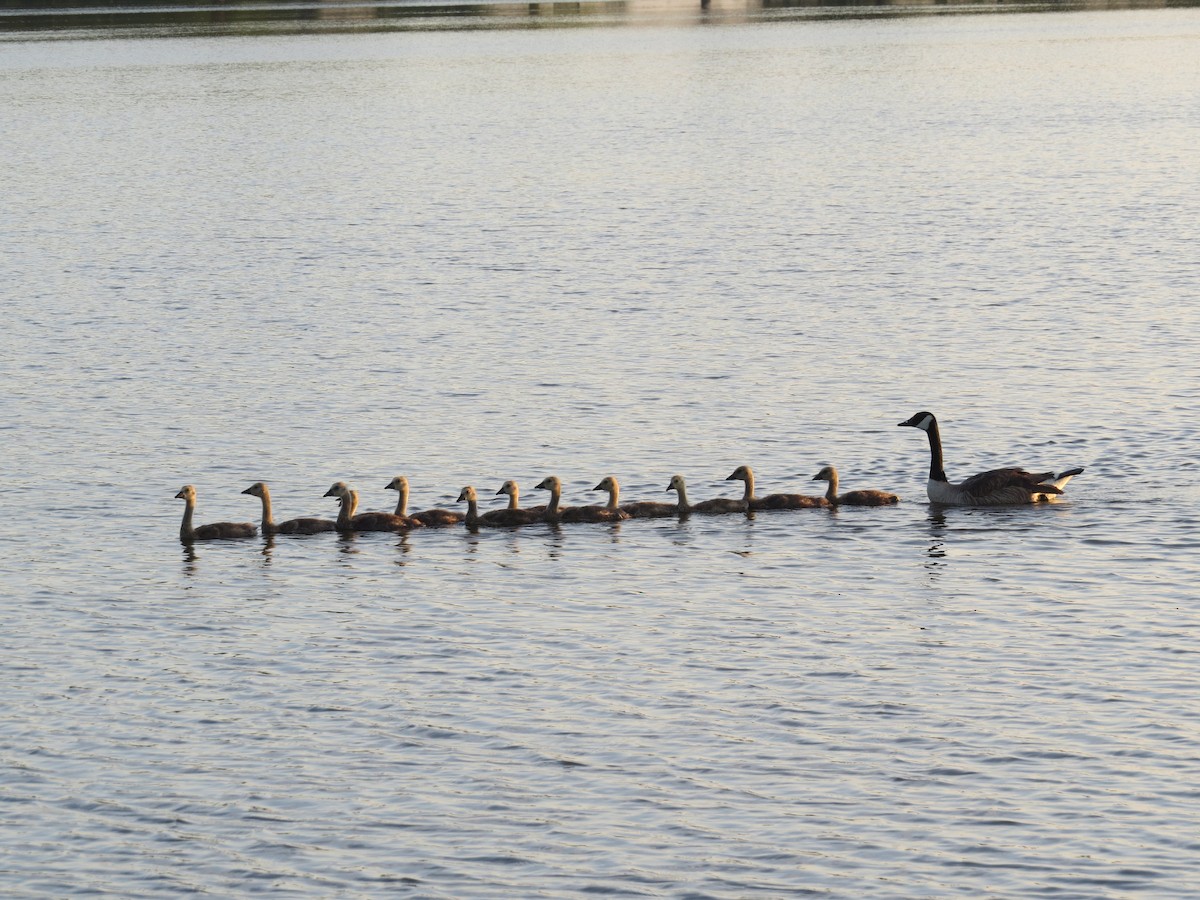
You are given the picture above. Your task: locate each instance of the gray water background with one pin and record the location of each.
(467, 254)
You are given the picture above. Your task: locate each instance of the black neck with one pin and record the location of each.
(936, 472)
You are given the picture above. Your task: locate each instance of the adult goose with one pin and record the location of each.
(771, 501)
(291, 526)
(348, 520)
(211, 532)
(430, 518)
(852, 498)
(715, 507)
(998, 487)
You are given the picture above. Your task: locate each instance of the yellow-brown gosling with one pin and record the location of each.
(496, 518)
(552, 512)
(291, 526)
(772, 501)
(644, 509)
(852, 498)
(716, 506)
(609, 513)
(514, 513)
(212, 532)
(997, 487)
(348, 520)
(430, 518)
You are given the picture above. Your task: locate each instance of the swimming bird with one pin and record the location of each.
(852, 498)
(430, 518)
(610, 513)
(348, 520)
(772, 501)
(997, 487)
(714, 507)
(643, 509)
(513, 514)
(291, 526)
(552, 512)
(496, 518)
(212, 532)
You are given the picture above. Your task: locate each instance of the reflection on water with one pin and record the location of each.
(67, 20)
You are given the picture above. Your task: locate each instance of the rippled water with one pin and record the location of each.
(496, 254)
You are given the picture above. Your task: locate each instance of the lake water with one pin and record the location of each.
(469, 244)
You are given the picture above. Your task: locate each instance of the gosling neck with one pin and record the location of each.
(555, 494)
(513, 495)
(748, 494)
(831, 492)
(345, 504)
(681, 490)
(268, 521)
(614, 492)
(402, 502)
(186, 531)
(472, 516)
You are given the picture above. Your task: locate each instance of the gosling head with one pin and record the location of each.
(509, 487)
(338, 489)
(922, 420)
(399, 483)
(187, 492)
(828, 473)
(607, 483)
(467, 494)
(550, 483)
(676, 483)
(741, 473)
(258, 489)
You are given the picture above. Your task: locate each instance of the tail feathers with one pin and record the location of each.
(1049, 488)
(1063, 477)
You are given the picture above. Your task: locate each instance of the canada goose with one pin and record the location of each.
(997, 487)
(430, 518)
(610, 513)
(714, 507)
(853, 498)
(349, 520)
(496, 517)
(772, 501)
(291, 526)
(212, 532)
(643, 509)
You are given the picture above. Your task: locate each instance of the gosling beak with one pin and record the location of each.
(248, 490)
(816, 477)
(180, 495)
(501, 491)
(598, 487)
(330, 493)
(733, 477)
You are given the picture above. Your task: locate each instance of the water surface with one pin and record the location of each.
(472, 255)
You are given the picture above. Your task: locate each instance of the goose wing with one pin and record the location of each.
(995, 481)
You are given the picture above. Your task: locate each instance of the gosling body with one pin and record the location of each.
(349, 520)
(852, 498)
(306, 525)
(214, 531)
(430, 518)
(771, 501)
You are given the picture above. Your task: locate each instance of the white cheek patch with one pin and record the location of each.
(925, 423)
